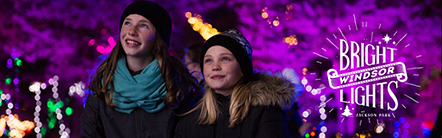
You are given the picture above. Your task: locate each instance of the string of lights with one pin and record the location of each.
(205, 29)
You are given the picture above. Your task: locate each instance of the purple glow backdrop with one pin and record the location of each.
(51, 38)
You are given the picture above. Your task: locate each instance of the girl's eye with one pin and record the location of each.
(144, 26)
(207, 60)
(225, 59)
(126, 23)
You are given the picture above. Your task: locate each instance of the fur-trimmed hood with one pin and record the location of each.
(272, 89)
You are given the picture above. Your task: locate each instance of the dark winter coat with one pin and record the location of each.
(99, 120)
(271, 97)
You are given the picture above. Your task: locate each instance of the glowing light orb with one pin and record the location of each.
(9, 63)
(69, 111)
(406, 125)
(322, 110)
(304, 81)
(77, 88)
(324, 129)
(111, 41)
(291, 40)
(34, 87)
(379, 129)
(43, 86)
(188, 14)
(402, 120)
(91, 42)
(315, 91)
(304, 71)
(275, 23)
(322, 98)
(395, 134)
(305, 114)
(265, 15)
(8, 81)
(323, 116)
(308, 88)
(18, 62)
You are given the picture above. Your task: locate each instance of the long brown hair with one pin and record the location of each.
(239, 105)
(179, 83)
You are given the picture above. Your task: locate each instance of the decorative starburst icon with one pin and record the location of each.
(386, 38)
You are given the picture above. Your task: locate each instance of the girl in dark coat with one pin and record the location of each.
(237, 102)
(139, 87)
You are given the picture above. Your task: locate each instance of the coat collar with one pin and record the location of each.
(271, 90)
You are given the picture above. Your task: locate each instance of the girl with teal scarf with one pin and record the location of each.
(139, 88)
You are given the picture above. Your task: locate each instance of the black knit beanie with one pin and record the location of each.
(236, 43)
(156, 14)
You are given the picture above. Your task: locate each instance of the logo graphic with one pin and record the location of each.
(369, 73)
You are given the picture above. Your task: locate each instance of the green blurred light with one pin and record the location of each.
(59, 104)
(1, 91)
(43, 131)
(1, 103)
(307, 135)
(69, 111)
(51, 105)
(7, 132)
(18, 62)
(51, 122)
(51, 125)
(8, 81)
(51, 115)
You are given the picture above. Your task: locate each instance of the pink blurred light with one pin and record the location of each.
(402, 59)
(104, 50)
(91, 42)
(111, 41)
(14, 55)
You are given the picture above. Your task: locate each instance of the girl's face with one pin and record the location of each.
(137, 35)
(221, 69)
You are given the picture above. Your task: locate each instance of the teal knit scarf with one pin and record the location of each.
(145, 90)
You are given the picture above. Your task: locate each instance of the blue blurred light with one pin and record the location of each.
(402, 120)
(322, 123)
(396, 124)
(395, 134)
(84, 99)
(426, 131)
